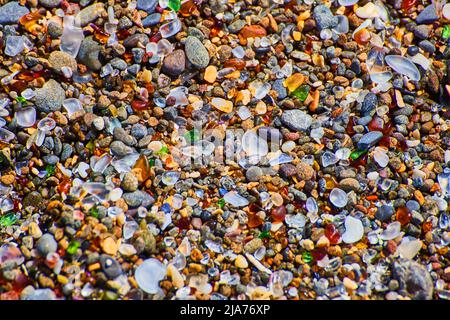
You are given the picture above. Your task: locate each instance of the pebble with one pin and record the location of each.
(296, 120)
(11, 12)
(427, 15)
(253, 173)
(90, 13)
(384, 213)
(196, 52)
(50, 97)
(110, 266)
(89, 54)
(324, 17)
(50, 3)
(46, 244)
(174, 63)
(369, 139)
(130, 182)
(151, 20)
(414, 279)
(147, 5)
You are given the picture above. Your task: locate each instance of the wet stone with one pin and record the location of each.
(110, 266)
(50, 97)
(427, 15)
(370, 103)
(384, 213)
(11, 12)
(415, 281)
(151, 19)
(174, 63)
(296, 120)
(369, 139)
(137, 198)
(324, 17)
(89, 54)
(196, 52)
(147, 5)
(46, 244)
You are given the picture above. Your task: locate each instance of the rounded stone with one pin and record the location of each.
(130, 182)
(174, 63)
(46, 244)
(253, 173)
(50, 97)
(196, 52)
(110, 266)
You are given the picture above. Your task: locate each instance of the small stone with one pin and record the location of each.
(147, 5)
(427, 15)
(50, 97)
(384, 213)
(210, 74)
(174, 63)
(196, 52)
(109, 246)
(253, 173)
(415, 280)
(223, 105)
(151, 20)
(33, 199)
(119, 148)
(288, 170)
(133, 40)
(137, 198)
(349, 184)
(241, 262)
(11, 12)
(46, 244)
(110, 266)
(370, 103)
(296, 120)
(305, 171)
(90, 13)
(324, 17)
(369, 139)
(50, 3)
(89, 54)
(130, 182)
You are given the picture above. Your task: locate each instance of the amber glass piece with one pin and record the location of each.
(183, 223)
(427, 226)
(216, 28)
(251, 31)
(362, 37)
(64, 186)
(278, 214)
(385, 142)
(123, 34)
(234, 63)
(187, 8)
(403, 215)
(18, 86)
(332, 233)
(144, 167)
(30, 22)
(254, 221)
(99, 34)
